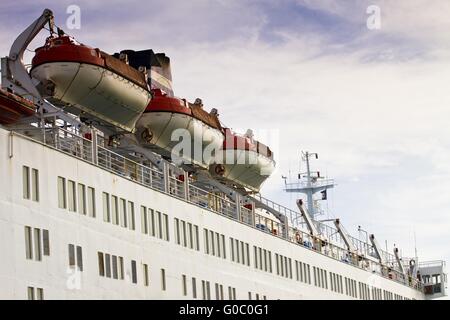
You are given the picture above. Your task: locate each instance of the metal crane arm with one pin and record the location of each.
(16, 70)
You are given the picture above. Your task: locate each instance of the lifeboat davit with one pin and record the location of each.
(14, 107)
(200, 135)
(90, 82)
(243, 162)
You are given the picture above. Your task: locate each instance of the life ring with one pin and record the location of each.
(147, 135)
(219, 170)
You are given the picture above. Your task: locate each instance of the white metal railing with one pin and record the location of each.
(98, 154)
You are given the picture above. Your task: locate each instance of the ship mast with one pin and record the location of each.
(313, 184)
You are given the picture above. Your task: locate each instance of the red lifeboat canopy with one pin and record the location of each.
(65, 48)
(161, 102)
(238, 142)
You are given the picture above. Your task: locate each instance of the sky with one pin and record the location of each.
(308, 75)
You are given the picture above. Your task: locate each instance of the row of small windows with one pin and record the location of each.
(214, 244)
(283, 266)
(336, 283)
(376, 294)
(154, 223)
(303, 272)
(186, 234)
(262, 259)
(206, 289)
(30, 183)
(118, 211)
(350, 288)
(364, 291)
(257, 296)
(75, 257)
(240, 251)
(76, 197)
(110, 266)
(320, 278)
(37, 243)
(35, 293)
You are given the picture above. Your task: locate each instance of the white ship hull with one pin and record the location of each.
(96, 91)
(180, 263)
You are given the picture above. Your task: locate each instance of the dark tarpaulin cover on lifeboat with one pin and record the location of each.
(158, 65)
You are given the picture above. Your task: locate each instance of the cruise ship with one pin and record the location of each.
(99, 201)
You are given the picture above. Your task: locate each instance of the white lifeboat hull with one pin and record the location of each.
(245, 168)
(96, 91)
(201, 141)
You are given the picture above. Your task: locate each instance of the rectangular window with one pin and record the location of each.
(72, 196)
(30, 293)
(208, 290)
(115, 273)
(71, 255)
(145, 274)
(160, 227)
(206, 241)
(108, 265)
(184, 284)
(123, 213)
(62, 200)
(35, 185)
(224, 251)
(177, 230)
(152, 229)
(91, 202)
(217, 291)
(144, 223)
(39, 294)
(26, 182)
(196, 241)
(82, 208)
(115, 210)
(190, 235)
(247, 247)
(183, 234)
(80, 258)
(121, 273)
(28, 243)
(203, 289)
(194, 288)
(101, 264)
(218, 244)
(232, 249)
(131, 218)
(37, 245)
(163, 280)
(133, 271)
(166, 227)
(106, 207)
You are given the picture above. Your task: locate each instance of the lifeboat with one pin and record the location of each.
(243, 162)
(13, 107)
(90, 83)
(197, 141)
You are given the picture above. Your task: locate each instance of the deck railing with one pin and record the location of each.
(94, 150)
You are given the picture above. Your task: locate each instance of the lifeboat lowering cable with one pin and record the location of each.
(88, 81)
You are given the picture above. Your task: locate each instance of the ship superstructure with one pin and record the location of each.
(96, 204)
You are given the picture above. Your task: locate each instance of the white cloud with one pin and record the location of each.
(381, 127)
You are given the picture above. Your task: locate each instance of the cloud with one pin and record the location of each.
(374, 104)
